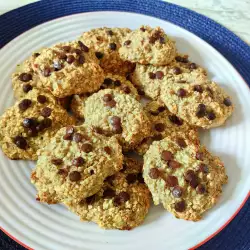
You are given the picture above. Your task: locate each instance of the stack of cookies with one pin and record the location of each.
(83, 106)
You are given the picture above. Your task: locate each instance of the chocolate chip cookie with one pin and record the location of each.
(184, 177)
(122, 203)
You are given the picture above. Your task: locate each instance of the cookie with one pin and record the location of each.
(165, 124)
(184, 177)
(30, 124)
(151, 78)
(122, 203)
(148, 45)
(68, 68)
(204, 105)
(74, 165)
(110, 82)
(106, 42)
(115, 113)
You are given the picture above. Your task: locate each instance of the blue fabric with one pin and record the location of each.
(236, 236)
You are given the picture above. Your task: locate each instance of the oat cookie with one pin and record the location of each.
(151, 78)
(165, 124)
(204, 105)
(110, 82)
(148, 45)
(122, 203)
(106, 42)
(68, 68)
(184, 177)
(120, 114)
(74, 164)
(30, 124)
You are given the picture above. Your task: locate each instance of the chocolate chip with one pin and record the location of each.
(117, 128)
(46, 122)
(140, 178)
(176, 120)
(171, 181)
(154, 113)
(70, 59)
(20, 142)
(210, 115)
(29, 122)
(142, 29)
(74, 176)
(57, 161)
(115, 120)
(201, 189)
(99, 55)
(62, 56)
(107, 98)
(90, 200)
(27, 88)
(177, 192)
(192, 66)
(204, 168)
(194, 182)
(199, 156)
(79, 161)
(86, 147)
(181, 142)
(157, 137)
(201, 110)
(154, 173)
(110, 32)
(181, 93)
(227, 102)
(41, 99)
(24, 104)
(77, 137)
(108, 81)
(161, 109)
(131, 178)
(110, 179)
(128, 42)
(67, 137)
(69, 130)
(189, 175)
(98, 130)
(108, 150)
(46, 112)
(198, 88)
(180, 206)
(159, 127)
(110, 104)
(25, 77)
(66, 48)
(126, 89)
(162, 40)
(159, 75)
(77, 51)
(112, 46)
(181, 59)
(108, 193)
(46, 72)
(40, 127)
(141, 92)
(32, 132)
(83, 46)
(176, 70)
(36, 54)
(152, 75)
(91, 171)
(166, 155)
(152, 39)
(121, 198)
(174, 164)
(81, 59)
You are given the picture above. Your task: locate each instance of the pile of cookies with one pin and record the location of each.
(84, 106)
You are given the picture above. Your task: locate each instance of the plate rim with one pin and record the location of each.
(197, 37)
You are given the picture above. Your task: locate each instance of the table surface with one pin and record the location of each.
(233, 14)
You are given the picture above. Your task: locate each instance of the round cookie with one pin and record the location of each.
(106, 42)
(148, 45)
(204, 105)
(151, 78)
(68, 68)
(74, 164)
(122, 203)
(165, 124)
(30, 124)
(184, 177)
(120, 114)
(110, 82)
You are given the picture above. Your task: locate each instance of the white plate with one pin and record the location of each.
(52, 227)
